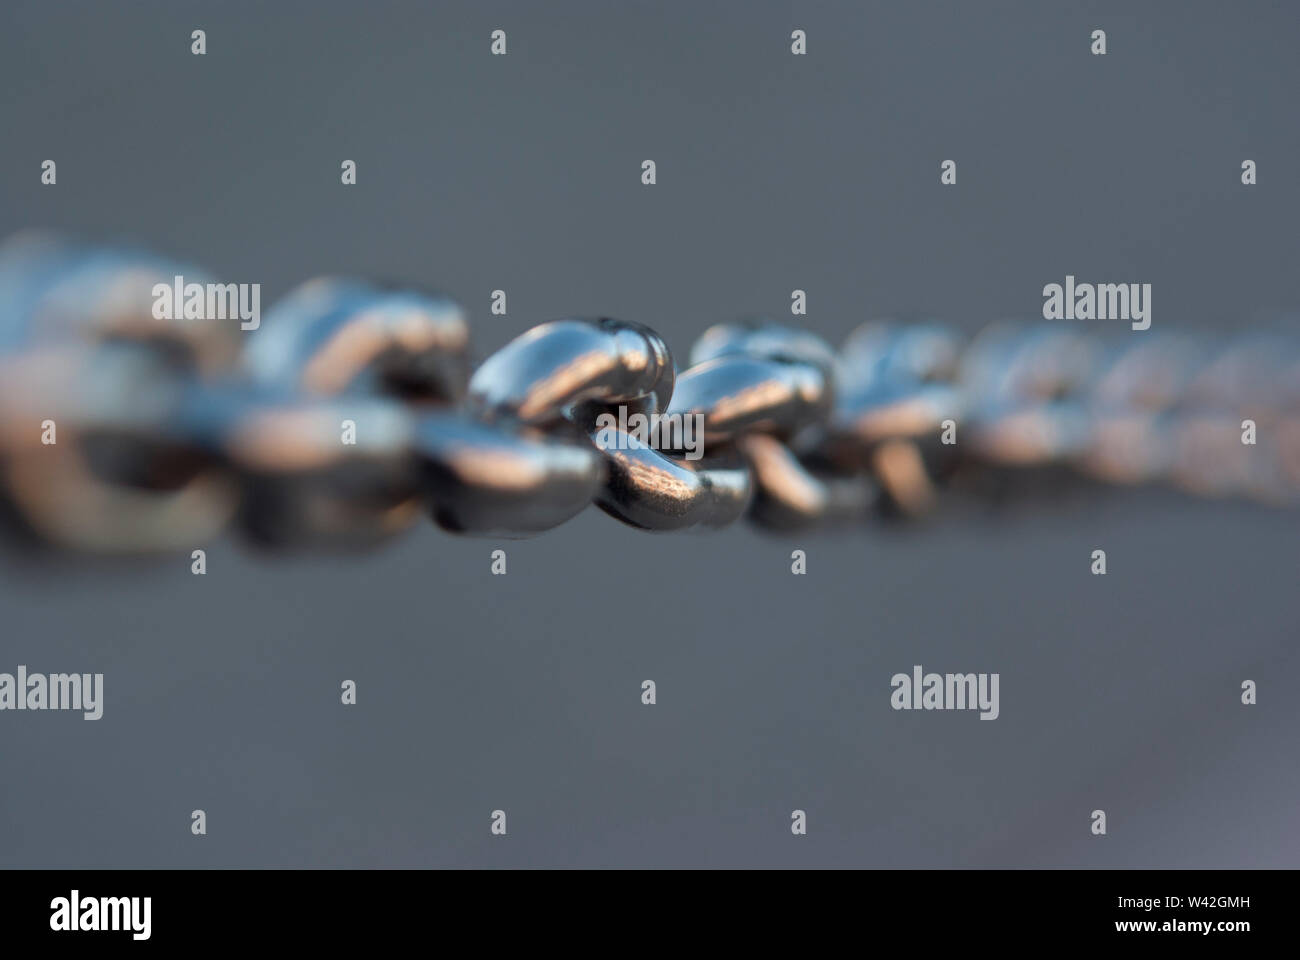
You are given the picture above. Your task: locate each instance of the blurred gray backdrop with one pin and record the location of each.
(775, 172)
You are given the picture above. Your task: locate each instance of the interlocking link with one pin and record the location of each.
(742, 393)
(483, 479)
(81, 348)
(648, 489)
(301, 485)
(353, 410)
(541, 376)
(791, 495)
(333, 336)
(338, 338)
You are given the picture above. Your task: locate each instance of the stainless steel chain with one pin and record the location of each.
(354, 411)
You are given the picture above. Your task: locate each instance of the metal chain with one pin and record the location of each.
(355, 411)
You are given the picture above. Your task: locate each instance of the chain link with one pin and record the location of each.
(355, 411)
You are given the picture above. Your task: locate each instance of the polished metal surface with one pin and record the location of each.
(485, 479)
(650, 490)
(541, 375)
(739, 393)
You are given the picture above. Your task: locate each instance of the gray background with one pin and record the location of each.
(775, 172)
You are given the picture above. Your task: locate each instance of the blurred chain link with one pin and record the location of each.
(169, 431)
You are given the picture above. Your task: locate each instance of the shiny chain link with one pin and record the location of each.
(354, 411)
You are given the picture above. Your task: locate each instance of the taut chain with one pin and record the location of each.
(129, 428)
